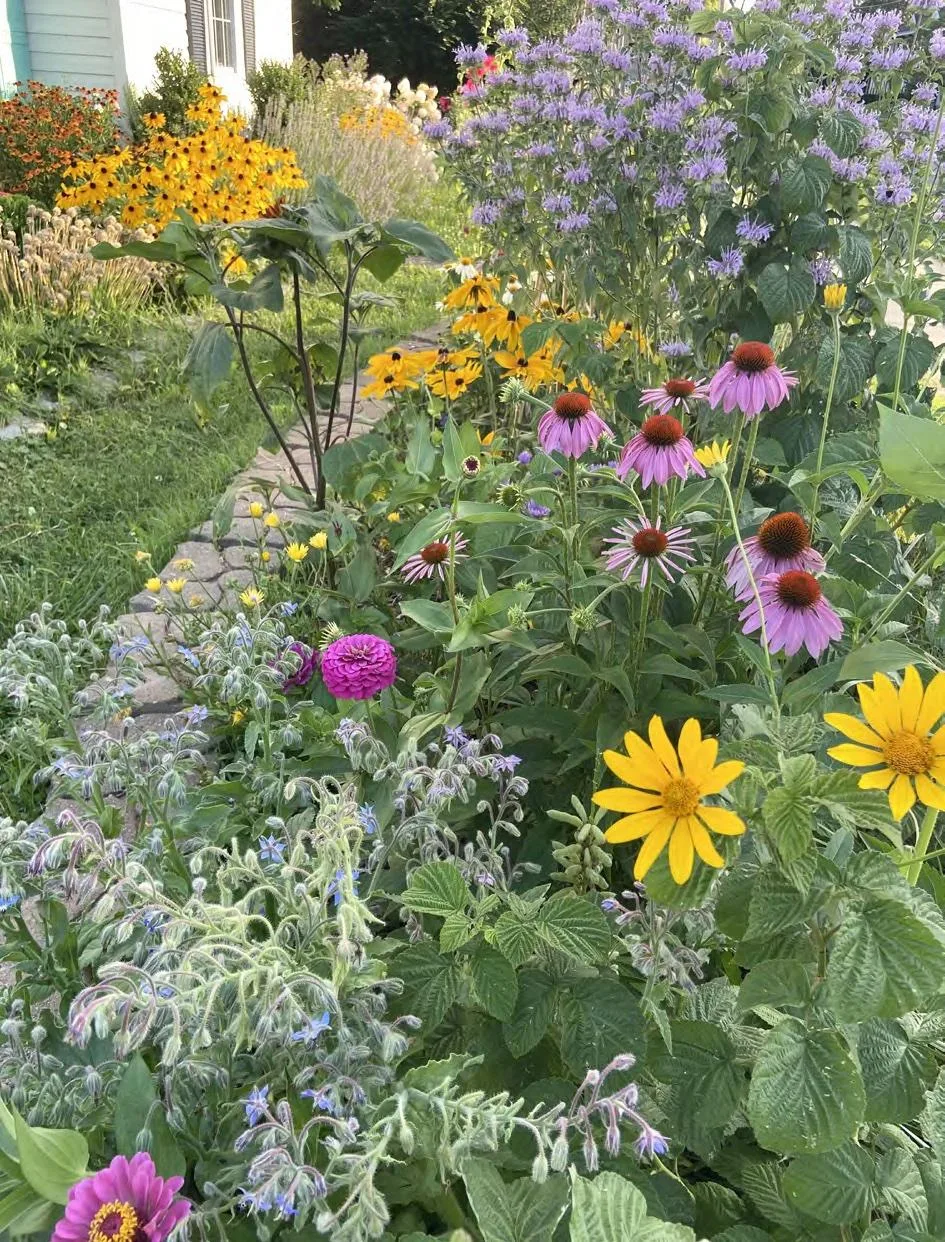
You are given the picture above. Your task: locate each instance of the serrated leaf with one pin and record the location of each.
(708, 1083)
(917, 359)
(431, 982)
(836, 1187)
(804, 183)
(534, 1008)
(436, 888)
(456, 930)
(788, 816)
(516, 938)
(518, 1211)
(806, 1093)
(574, 926)
(778, 982)
(856, 253)
(611, 1209)
(495, 982)
(842, 132)
(932, 1119)
(435, 1074)
(776, 905)
(896, 1071)
(855, 367)
(809, 232)
(786, 291)
(600, 1019)
(902, 1191)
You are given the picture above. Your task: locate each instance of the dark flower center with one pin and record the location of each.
(679, 388)
(435, 553)
(784, 535)
(512, 316)
(798, 589)
(662, 430)
(390, 379)
(572, 405)
(395, 355)
(522, 362)
(650, 542)
(753, 356)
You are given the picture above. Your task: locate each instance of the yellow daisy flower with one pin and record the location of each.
(256, 508)
(154, 585)
(713, 454)
(834, 297)
(176, 585)
(393, 517)
(237, 716)
(272, 520)
(319, 540)
(899, 739)
(141, 556)
(195, 601)
(664, 802)
(265, 556)
(184, 563)
(478, 290)
(252, 597)
(297, 551)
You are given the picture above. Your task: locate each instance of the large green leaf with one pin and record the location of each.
(777, 982)
(421, 239)
(436, 888)
(263, 292)
(917, 359)
(708, 1083)
(575, 926)
(495, 982)
(887, 656)
(534, 1008)
(51, 1161)
(842, 132)
(806, 1093)
(516, 937)
(431, 982)
(836, 1186)
(600, 1019)
(518, 1211)
(137, 1108)
(853, 371)
(896, 1071)
(208, 360)
(786, 291)
(912, 453)
(932, 1120)
(608, 1208)
(902, 1191)
(856, 253)
(776, 905)
(804, 183)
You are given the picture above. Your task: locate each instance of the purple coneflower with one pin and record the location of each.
(796, 614)
(750, 380)
(643, 545)
(673, 392)
(432, 560)
(782, 544)
(571, 427)
(658, 451)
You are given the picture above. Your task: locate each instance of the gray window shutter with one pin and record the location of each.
(249, 35)
(197, 33)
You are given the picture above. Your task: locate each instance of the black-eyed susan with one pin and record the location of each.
(899, 739)
(477, 291)
(663, 799)
(713, 454)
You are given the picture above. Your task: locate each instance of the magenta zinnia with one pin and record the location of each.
(571, 427)
(645, 545)
(782, 543)
(358, 666)
(432, 560)
(750, 380)
(796, 614)
(659, 451)
(674, 392)
(127, 1202)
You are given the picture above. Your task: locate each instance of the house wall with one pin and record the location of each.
(71, 42)
(146, 27)
(14, 47)
(273, 30)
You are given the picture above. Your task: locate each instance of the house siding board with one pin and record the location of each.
(146, 27)
(70, 42)
(273, 30)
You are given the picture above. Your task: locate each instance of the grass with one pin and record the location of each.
(130, 464)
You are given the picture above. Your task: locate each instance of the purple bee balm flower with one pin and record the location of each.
(751, 58)
(675, 349)
(937, 44)
(728, 266)
(674, 392)
(659, 451)
(782, 544)
(638, 543)
(750, 380)
(755, 232)
(796, 614)
(432, 560)
(571, 427)
(358, 666)
(127, 1202)
(308, 663)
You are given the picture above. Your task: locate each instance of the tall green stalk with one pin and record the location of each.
(823, 430)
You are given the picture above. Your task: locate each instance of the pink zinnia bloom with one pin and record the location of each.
(782, 543)
(645, 545)
(571, 427)
(433, 559)
(673, 392)
(125, 1201)
(358, 666)
(308, 663)
(796, 614)
(750, 380)
(659, 451)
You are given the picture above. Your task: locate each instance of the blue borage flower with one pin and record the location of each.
(312, 1029)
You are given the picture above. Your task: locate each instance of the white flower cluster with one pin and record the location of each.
(416, 102)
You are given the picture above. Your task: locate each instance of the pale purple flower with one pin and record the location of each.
(524, 457)
(358, 666)
(127, 1199)
(755, 232)
(796, 614)
(256, 1104)
(271, 849)
(750, 380)
(432, 560)
(571, 427)
(639, 543)
(937, 44)
(781, 544)
(307, 664)
(531, 508)
(728, 266)
(659, 451)
(675, 349)
(821, 269)
(674, 392)
(751, 58)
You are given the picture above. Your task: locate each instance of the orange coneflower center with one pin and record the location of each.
(908, 754)
(662, 430)
(753, 356)
(679, 388)
(572, 405)
(435, 553)
(784, 535)
(681, 796)
(798, 589)
(114, 1222)
(650, 542)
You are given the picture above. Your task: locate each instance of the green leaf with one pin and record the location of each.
(932, 1119)
(431, 982)
(842, 132)
(777, 982)
(786, 291)
(52, 1161)
(854, 370)
(23, 1212)
(420, 239)
(709, 1084)
(836, 1187)
(136, 1107)
(887, 656)
(806, 1093)
(343, 461)
(608, 1208)
(917, 359)
(599, 1019)
(776, 905)
(436, 888)
(208, 360)
(263, 292)
(896, 1071)
(435, 1074)
(433, 526)
(384, 261)
(856, 253)
(358, 578)
(902, 1191)
(912, 453)
(421, 455)
(789, 818)
(515, 937)
(456, 931)
(883, 962)
(518, 1211)
(574, 926)
(429, 614)
(804, 184)
(810, 232)
(494, 981)
(534, 1008)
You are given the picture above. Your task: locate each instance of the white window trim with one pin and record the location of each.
(223, 73)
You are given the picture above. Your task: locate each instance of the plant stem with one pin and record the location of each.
(572, 490)
(823, 430)
(746, 463)
(922, 845)
(641, 628)
(901, 594)
(308, 389)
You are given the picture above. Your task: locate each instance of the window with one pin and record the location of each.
(222, 34)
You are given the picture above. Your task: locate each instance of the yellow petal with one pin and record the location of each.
(881, 779)
(651, 848)
(636, 770)
(931, 794)
(888, 699)
(703, 843)
(632, 827)
(933, 704)
(722, 820)
(704, 762)
(680, 852)
(937, 741)
(853, 728)
(662, 746)
(901, 796)
(721, 776)
(873, 711)
(657, 774)
(910, 697)
(620, 799)
(856, 756)
(690, 744)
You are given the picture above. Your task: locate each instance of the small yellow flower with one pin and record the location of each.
(238, 716)
(272, 520)
(297, 551)
(154, 585)
(176, 585)
(184, 564)
(265, 556)
(141, 556)
(393, 517)
(834, 297)
(195, 600)
(713, 454)
(319, 540)
(252, 597)
(256, 508)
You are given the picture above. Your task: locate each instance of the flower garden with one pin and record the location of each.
(548, 843)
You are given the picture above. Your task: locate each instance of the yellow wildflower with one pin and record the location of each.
(238, 716)
(184, 563)
(194, 601)
(834, 297)
(141, 556)
(265, 556)
(176, 585)
(713, 454)
(447, 382)
(319, 540)
(154, 584)
(297, 551)
(256, 508)
(272, 520)
(393, 517)
(252, 597)
(534, 370)
(478, 290)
